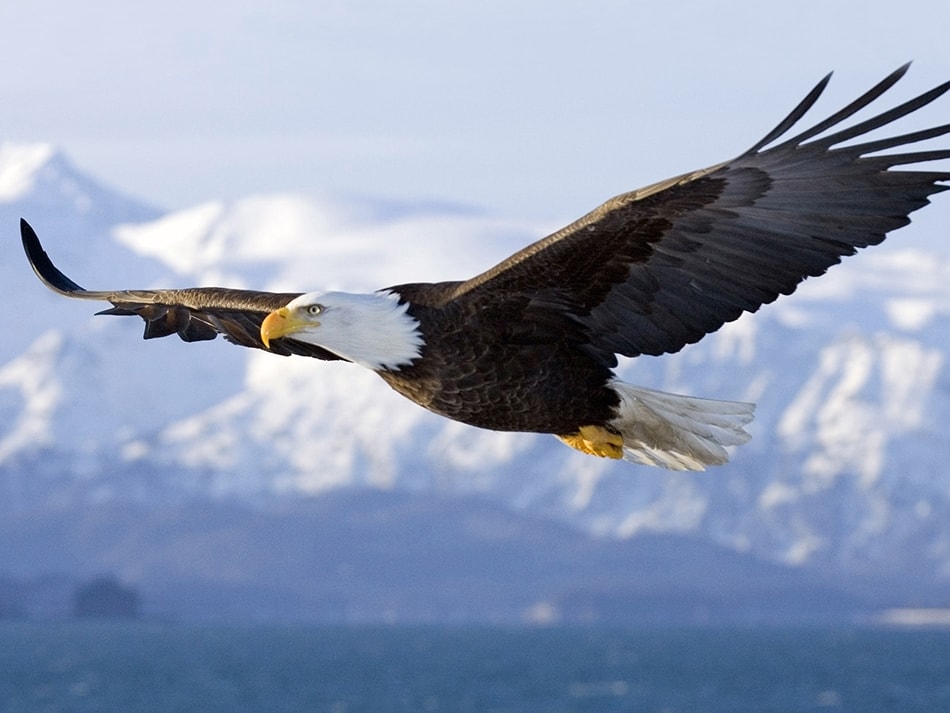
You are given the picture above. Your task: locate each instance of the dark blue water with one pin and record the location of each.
(134, 668)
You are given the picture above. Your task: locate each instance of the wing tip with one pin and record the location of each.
(44, 268)
(805, 105)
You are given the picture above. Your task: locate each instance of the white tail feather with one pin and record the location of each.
(678, 432)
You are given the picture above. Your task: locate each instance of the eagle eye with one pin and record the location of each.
(314, 310)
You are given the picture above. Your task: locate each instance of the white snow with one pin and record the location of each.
(911, 313)
(19, 166)
(185, 241)
(30, 379)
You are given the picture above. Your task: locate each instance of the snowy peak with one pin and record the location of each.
(302, 243)
(40, 174)
(37, 179)
(22, 167)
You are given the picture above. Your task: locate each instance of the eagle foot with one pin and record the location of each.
(596, 441)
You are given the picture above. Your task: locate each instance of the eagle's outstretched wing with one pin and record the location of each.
(655, 269)
(194, 314)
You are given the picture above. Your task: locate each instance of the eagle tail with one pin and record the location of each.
(677, 432)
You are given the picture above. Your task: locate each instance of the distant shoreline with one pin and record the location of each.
(914, 617)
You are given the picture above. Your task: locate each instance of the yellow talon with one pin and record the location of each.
(596, 441)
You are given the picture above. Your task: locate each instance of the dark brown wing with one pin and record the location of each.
(653, 270)
(194, 314)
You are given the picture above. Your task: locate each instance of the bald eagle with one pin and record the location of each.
(532, 343)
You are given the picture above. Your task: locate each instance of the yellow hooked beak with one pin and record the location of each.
(281, 323)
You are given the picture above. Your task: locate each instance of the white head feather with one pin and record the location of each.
(373, 330)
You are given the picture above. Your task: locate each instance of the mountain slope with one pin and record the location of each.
(458, 559)
(846, 471)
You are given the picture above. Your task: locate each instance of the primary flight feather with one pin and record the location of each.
(531, 344)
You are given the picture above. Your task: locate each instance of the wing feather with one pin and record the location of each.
(655, 269)
(194, 314)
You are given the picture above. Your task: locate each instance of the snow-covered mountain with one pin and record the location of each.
(847, 470)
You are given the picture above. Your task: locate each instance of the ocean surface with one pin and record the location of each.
(146, 667)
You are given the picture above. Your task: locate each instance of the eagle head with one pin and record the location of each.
(374, 330)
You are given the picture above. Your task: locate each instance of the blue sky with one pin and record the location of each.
(525, 108)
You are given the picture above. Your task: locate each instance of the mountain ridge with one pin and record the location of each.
(846, 472)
